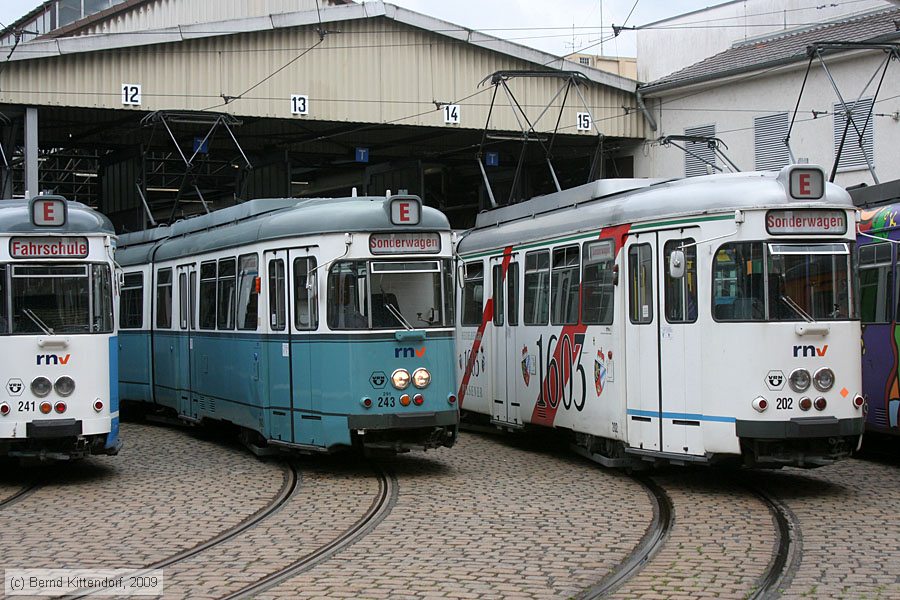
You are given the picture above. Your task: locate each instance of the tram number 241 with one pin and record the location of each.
(784, 403)
(557, 372)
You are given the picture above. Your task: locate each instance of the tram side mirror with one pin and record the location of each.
(676, 264)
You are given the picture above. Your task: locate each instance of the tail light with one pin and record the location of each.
(821, 403)
(418, 399)
(404, 400)
(366, 402)
(760, 404)
(858, 401)
(805, 403)
(4, 409)
(60, 407)
(46, 407)
(451, 399)
(98, 405)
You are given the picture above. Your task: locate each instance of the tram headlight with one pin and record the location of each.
(421, 378)
(64, 386)
(400, 379)
(41, 386)
(823, 379)
(799, 380)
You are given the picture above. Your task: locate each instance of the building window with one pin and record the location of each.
(584, 60)
(852, 155)
(768, 142)
(700, 157)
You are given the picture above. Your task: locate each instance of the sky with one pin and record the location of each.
(559, 27)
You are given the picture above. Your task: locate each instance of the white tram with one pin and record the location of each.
(58, 335)
(705, 320)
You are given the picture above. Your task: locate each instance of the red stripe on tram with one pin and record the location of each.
(486, 317)
(547, 403)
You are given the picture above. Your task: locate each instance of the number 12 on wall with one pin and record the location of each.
(131, 94)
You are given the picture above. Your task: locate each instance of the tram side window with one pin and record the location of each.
(565, 283)
(473, 293)
(276, 295)
(164, 298)
(225, 298)
(4, 314)
(131, 304)
(497, 293)
(875, 282)
(449, 297)
(207, 303)
(738, 282)
(537, 288)
(248, 293)
(640, 283)
(598, 287)
(347, 296)
(512, 293)
(101, 282)
(681, 293)
(306, 314)
(183, 300)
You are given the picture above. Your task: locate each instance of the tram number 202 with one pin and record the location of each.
(784, 403)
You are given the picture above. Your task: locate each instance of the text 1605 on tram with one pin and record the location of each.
(312, 325)
(59, 367)
(704, 320)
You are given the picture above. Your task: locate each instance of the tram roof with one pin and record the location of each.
(604, 203)
(15, 218)
(268, 219)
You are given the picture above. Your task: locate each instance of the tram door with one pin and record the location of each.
(186, 288)
(275, 370)
(679, 344)
(642, 343)
(503, 392)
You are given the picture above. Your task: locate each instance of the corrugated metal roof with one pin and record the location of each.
(782, 49)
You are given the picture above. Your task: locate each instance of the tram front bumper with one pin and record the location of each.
(800, 427)
(404, 421)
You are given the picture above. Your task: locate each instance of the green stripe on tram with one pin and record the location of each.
(592, 235)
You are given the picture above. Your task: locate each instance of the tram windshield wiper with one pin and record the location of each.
(796, 308)
(37, 321)
(393, 310)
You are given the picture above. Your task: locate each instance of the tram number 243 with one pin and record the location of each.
(557, 372)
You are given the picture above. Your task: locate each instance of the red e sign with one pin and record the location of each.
(807, 183)
(48, 212)
(405, 211)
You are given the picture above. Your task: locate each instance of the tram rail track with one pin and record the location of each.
(23, 493)
(289, 486)
(651, 542)
(786, 558)
(378, 510)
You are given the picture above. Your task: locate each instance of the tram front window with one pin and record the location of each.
(754, 281)
(389, 294)
(61, 299)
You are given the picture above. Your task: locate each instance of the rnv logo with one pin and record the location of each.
(53, 359)
(809, 351)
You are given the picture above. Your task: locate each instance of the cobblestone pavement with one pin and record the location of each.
(493, 517)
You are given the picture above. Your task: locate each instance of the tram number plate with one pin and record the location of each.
(386, 402)
(27, 406)
(784, 403)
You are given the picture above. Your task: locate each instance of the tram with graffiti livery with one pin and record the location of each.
(57, 331)
(878, 237)
(312, 325)
(710, 320)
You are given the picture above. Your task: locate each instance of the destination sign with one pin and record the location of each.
(806, 222)
(48, 247)
(404, 243)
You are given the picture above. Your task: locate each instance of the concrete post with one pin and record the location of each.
(31, 152)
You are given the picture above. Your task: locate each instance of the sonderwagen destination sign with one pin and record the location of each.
(804, 222)
(404, 243)
(48, 247)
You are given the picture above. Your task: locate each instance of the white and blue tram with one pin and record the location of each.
(57, 330)
(313, 325)
(705, 320)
